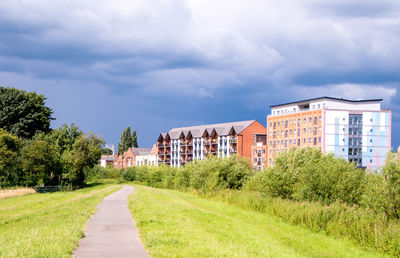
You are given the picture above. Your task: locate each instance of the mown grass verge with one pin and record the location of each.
(179, 224)
(47, 225)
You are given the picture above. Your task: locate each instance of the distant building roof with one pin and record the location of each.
(330, 98)
(220, 129)
(108, 157)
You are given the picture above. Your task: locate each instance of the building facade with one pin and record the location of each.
(136, 157)
(259, 152)
(356, 130)
(182, 145)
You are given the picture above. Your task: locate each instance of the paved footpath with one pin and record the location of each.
(112, 232)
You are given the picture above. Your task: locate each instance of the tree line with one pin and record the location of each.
(31, 153)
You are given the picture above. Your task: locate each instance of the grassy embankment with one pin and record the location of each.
(179, 224)
(47, 225)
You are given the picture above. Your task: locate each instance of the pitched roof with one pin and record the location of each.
(221, 129)
(140, 151)
(108, 157)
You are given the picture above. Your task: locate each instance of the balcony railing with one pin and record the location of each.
(233, 140)
(161, 146)
(206, 142)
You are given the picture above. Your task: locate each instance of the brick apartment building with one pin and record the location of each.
(182, 145)
(356, 130)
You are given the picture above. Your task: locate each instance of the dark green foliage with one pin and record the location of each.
(128, 139)
(106, 151)
(23, 113)
(41, 163)
(85, 153)
(10, 147)
(64, 137)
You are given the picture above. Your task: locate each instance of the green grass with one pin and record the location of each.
(47, 225)
(178, 224)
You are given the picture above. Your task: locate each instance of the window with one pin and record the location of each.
(309, 139)
(304, 130)
(263, 151)
(315, 140)
(320, 118)
(319, 139)
(310, 120)
(315, 120)
(286, 124)
(304, 120)
(370, 160)
(370, 150)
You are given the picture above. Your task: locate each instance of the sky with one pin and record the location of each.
(158, 64)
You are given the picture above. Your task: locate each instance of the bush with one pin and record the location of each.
(41, 163)
(10, 170)
(309, 175)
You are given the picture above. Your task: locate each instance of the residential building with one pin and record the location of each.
(136, 156)
(259, 151)
(356, 130)
(106, 160)
(147, 158)
(182, 145)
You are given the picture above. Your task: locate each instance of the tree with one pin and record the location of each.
(10, 146)
(128, 140)
(85, 154)
(40, 163)
(23, 113)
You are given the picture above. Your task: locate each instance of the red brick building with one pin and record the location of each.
(182, 145)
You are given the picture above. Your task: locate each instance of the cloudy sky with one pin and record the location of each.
(158, 64)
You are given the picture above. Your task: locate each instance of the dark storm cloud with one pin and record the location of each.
(160, 64)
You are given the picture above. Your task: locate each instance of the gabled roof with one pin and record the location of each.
(221, 129)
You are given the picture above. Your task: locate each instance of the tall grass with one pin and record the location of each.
(363, 225)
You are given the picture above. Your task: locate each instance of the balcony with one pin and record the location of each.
(168, 154)
(233, 140)
(182, 152)
(183, 143)
(161, 146)
(167, 146)
(206, 143)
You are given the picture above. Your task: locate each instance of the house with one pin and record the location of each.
(136, 156)
(106, 160)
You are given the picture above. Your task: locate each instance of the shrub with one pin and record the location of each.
(309, 175)
(41, 163)
(10, 170)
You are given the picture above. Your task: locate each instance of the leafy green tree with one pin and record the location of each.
(23, 113)
(10, 147)
(106, 151)
(128, 139)
(40, 163)
(85, 153)
(65, 136)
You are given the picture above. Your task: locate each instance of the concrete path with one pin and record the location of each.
(111, 232)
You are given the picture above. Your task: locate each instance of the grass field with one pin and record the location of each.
(178, 224)
(47, 225)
